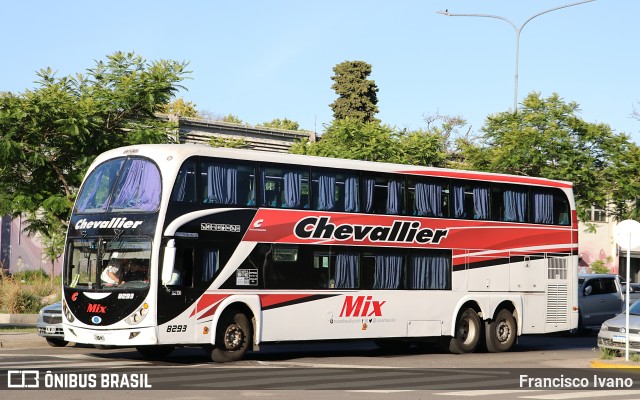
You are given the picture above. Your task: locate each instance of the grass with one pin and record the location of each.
(608, 354)
(27, 292)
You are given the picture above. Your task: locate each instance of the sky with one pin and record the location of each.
(261, 60)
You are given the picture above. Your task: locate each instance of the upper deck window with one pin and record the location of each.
(121, 185)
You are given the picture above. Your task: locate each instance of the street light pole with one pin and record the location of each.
(518, 30)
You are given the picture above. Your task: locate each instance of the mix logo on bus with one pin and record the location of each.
(361, 306)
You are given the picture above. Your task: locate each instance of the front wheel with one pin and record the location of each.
(501, 332)
(467, 333)
(233, 337)
(55, 342)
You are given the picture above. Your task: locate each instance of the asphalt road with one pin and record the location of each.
(353, 370)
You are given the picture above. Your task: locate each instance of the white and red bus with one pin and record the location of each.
(227, 249)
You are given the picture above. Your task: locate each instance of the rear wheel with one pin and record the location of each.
(501, 332)
(467, 333)
(55, 342)
(233, 337)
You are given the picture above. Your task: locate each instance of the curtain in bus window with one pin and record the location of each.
(543, 208)
(141, 187)
(387, 272)
(179, 188)
(429, 200)
(292, 189)
(515, 206)
(346, 271)
(210, 264)
(429, 272)
(326, 192)
(481, 203)
(263, 188)
(351, 203)
(369, 188)
(90, 197)
(222, 184)
(458, 202)
(394, 197)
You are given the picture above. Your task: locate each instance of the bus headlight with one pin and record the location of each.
(67, 312)
(138, 315)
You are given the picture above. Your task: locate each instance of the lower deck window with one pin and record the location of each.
(343, 267)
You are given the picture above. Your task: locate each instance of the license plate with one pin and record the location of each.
(50, 329)
(620, 338)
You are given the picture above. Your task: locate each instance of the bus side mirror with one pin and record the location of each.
(168, 261)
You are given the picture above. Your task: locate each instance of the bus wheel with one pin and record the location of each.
(501, 332)
(55, 342)
(467, 333)
(155, 352)
(233, 337)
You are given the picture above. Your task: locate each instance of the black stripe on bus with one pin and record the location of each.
(299, 301)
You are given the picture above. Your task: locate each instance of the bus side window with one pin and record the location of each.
(184, 189)
(183, 268)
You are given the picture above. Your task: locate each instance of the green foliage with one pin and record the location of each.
(181, 108)
(599, 267)
(371, 141)
(49, 135)
(546, 138)
(228, 142)
(357, 95)
(232, 119)
(28, 291)
(608, 354)
(282, 124)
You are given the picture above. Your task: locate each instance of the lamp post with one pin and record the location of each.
(518, 30)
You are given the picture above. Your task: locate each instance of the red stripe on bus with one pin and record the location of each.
(528, 180)
(206, 301)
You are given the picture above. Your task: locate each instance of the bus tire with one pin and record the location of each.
(467, 334)
(155, 352)
(233, 337)
(55, 342)
(501, 332)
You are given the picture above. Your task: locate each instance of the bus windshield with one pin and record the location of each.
(121, 184)
(108, 263)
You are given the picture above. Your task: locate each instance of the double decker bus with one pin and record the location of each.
(228, 249)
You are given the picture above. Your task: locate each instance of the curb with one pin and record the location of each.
(615, 364)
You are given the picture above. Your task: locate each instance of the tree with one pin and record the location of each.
(357, 95)
(371, 141)
(282, 124)
(49, 135)
(181, 108)
(546, 138)
(232, 119)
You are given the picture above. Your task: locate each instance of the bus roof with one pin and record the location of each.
(180, 152)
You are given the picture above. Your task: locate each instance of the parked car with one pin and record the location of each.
(600, 298)
(49, 325)
(634, 291)
(613, 333)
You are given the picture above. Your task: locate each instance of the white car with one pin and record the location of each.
(613, 332)
(50, 325)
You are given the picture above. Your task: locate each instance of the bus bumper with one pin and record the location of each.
(119, 337)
